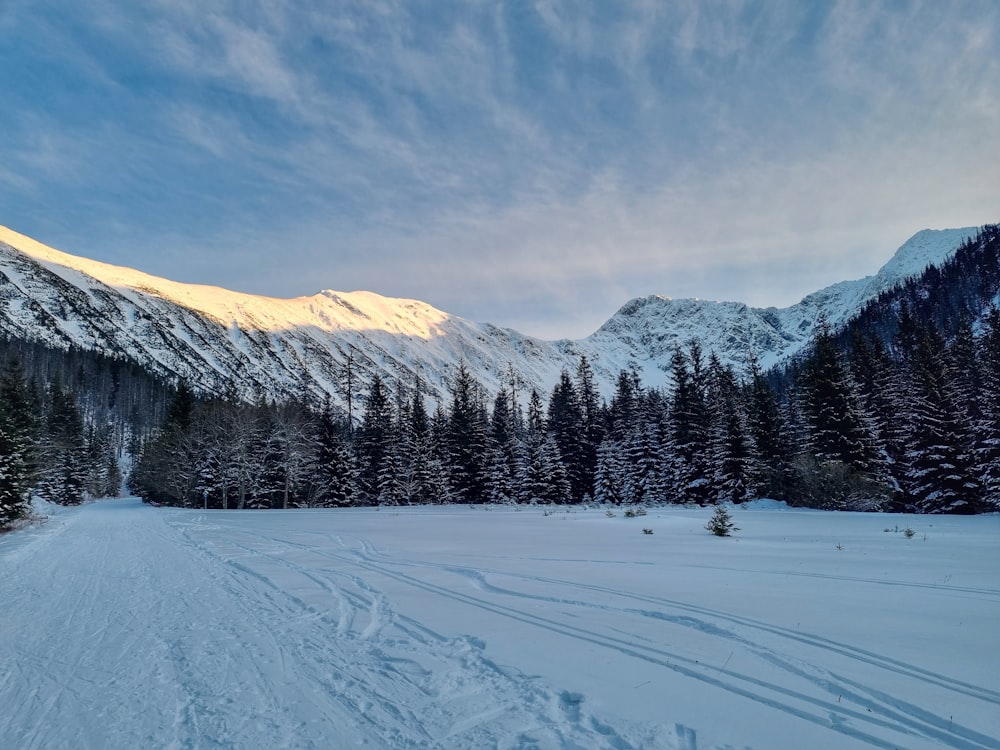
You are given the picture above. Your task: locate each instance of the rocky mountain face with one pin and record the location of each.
(226, 342)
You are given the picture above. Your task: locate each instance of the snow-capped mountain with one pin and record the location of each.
(220, 340)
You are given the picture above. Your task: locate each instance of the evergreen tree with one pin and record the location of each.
(688, 428)
(939, 473)
(609, 484)
(64, 461)
(333, 471)
(721, 523)
(466, 439)
(591, 432)
(17, 431)
(987, 432)
(733, 467)
(504, 453)
(544, 479)
(621, 413)
(565, 423)
(773, 453)
(419, 484)
(837, 430)
(374, 440)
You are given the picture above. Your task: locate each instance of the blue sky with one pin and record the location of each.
(530, 164)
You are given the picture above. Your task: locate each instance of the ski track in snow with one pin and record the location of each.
(127, 627)
(902, 718)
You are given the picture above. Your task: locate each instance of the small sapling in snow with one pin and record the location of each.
(721, 523)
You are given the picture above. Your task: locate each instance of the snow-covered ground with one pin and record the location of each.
(125, 626)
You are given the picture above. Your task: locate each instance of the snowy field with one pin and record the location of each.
(126, 626)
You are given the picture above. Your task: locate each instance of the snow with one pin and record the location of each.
(453, 627)
(219, 339)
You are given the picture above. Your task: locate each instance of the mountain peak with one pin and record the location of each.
(219, 339)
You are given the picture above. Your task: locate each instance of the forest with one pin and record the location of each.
(899, 410)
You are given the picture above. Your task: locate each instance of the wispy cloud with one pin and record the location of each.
(531, 163)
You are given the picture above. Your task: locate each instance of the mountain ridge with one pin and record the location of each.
(220, 340)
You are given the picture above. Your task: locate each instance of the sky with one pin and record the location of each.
(529, 164)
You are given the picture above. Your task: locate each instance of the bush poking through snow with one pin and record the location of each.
(721, 523)
(908, 532)
(647, 531)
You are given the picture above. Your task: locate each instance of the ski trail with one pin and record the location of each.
(870, 706)
(189, 629)
(466, 700)
(479, 577)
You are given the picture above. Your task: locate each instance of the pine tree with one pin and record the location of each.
(987, 429)
(621, 413)
(939, 476)
(565, 423)
(592, 426)
(609, 484)
(837, 431)
(733, 467)
(64, 460)
(721, 523)
(773, 453)
(17, 429)
(688, 428)
(466, 439)
(642, 481)
(374, 440)
(504, 451)
(333, 470)
(416, 451)
(543, 478)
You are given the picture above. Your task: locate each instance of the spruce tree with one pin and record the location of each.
(837, 429)
(17, 429)
(374, 440)
(773, 453)
(565, 423)
(466, 439)
(64, 460)
(333, 471)
(732, 456)
(609, 484)
(987, 429)
(688, 428)
(591, 432)
(939, 474)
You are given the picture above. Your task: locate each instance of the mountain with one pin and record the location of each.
(222, 341)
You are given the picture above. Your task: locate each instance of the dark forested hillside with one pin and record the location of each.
(919, 384)
(70, 423)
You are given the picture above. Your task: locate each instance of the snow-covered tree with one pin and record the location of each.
(17, 436)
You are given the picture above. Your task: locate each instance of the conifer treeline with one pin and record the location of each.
(899, 411)
(868, 431)
(48, 449)
(70, 420)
